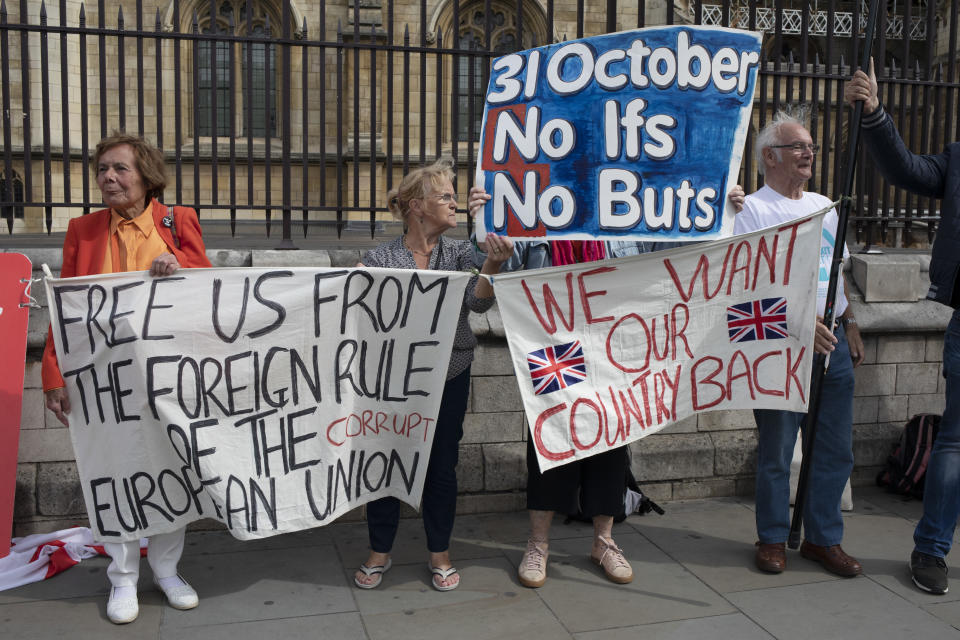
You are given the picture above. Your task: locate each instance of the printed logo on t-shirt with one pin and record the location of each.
(827, 243)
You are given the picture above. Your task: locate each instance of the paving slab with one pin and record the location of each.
(882, 542)
(716, 544)
(407, 588)
(694, 579)
(469, 541)
(584, 600)
(910, 509)
(265, 585)
(488, 604)
(880, 534)
(693, 505)
(76, 618)
(734, 625)
(335, 626)
(89, 578)
(867, 499)
(843, 609)
(948, 612)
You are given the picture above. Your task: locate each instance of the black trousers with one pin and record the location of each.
(594, 486)
(439, 503)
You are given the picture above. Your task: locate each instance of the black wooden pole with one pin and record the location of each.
(819, 360)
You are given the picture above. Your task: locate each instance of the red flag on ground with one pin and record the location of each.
(44, 555)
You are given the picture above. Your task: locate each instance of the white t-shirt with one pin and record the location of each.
(767, 208)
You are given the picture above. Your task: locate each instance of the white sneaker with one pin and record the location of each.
(121, 610)
(181, 597)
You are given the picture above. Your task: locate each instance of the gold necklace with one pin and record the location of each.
(426, 254)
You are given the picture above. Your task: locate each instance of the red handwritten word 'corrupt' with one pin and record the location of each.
(373, 423)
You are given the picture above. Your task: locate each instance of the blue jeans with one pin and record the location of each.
(941, 493)
(832, 458)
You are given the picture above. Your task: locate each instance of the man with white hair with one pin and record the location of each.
(785, 152)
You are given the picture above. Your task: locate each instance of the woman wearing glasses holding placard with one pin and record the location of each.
(427, 204)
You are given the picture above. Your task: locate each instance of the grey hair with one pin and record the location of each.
(770, 134)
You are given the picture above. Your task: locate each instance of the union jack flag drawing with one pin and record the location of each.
(556, 367)
(758, 320)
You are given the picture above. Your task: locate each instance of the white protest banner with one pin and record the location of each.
(271, 400)
(630, 135)
(609, 352)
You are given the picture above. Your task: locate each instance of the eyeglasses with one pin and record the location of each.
(798, 147)
(444, 198)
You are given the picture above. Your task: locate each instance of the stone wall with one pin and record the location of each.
(711, 454)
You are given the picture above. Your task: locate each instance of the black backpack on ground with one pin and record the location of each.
(632, 495)
(907, 465)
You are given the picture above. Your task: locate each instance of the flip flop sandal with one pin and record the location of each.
(378, 570)
(444, 574)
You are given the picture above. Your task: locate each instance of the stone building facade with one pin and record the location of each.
(261, 105)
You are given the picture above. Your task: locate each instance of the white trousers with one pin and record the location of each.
(163, 554)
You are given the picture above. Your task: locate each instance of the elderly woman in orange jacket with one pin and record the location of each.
(136, 233)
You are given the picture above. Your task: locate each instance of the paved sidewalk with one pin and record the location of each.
(694, 579)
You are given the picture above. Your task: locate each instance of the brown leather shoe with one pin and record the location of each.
(832, 558)
(771, 557)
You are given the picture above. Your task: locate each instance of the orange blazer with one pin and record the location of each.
(83, 252)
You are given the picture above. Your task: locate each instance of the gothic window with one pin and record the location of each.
(262, 103)
(213, 56)
(250, 76)
(471, 71)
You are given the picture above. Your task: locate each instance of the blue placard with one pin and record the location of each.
(637, 134)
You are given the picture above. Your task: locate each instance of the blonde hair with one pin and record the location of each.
(414, 185)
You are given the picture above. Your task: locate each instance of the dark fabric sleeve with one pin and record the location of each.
(923, 174)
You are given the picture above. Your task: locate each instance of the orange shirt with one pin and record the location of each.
(133, 244)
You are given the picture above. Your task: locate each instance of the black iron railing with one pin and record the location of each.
(300, 123)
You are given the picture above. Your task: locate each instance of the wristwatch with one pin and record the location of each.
(848, 321)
